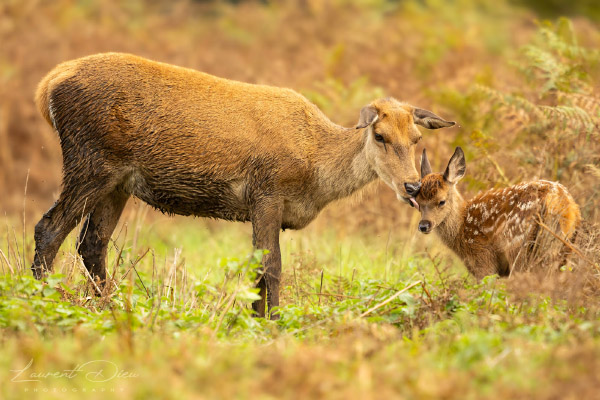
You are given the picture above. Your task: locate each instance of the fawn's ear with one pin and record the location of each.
(425, 166)
(429, 120)
(456, 167)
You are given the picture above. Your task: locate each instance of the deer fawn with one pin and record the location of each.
(498, 227)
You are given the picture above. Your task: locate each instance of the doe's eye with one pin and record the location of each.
(441, 203)
(379, 138)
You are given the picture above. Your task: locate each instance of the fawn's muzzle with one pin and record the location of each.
(425, 226)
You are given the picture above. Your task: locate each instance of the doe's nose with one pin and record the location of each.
(424, 226)
(412, 188)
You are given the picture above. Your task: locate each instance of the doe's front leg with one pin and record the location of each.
(266, 224)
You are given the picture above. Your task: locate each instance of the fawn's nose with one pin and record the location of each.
(412, 188)
(425, 226)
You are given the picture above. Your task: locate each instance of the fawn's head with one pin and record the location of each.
(438, 195)
(391, 137)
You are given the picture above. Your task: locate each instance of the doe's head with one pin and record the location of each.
(391, 137)
(438, 196)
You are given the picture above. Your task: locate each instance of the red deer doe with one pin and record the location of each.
(190, 143)
(498, 229)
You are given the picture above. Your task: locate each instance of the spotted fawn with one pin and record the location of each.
(497, 228)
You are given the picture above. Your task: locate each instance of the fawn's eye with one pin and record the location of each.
(441, 203)
(379, 138)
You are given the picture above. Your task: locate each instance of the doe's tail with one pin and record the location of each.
(44, 89)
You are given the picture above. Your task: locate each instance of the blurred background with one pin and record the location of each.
(520, 77)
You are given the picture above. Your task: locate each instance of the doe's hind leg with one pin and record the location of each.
(56, 224)
(97, 230)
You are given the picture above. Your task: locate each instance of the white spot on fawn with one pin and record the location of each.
(526, 206)
(490, 228)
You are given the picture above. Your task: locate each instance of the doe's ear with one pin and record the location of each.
(368, 116)
(425, 166)
(429, 120)
(457, 167)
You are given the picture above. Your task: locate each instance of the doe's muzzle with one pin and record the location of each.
(412, 188)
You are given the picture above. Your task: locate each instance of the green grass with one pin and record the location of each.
(179, 324)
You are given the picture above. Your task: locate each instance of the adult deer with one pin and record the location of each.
(189, 143)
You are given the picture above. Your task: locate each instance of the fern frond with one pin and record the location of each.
(586, 102)
(572, 119)
(511, 102)
(562, 40)
(568, 120)
(341, 283)
(593, 170)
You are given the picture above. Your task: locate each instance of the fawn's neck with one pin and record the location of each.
(451, 229)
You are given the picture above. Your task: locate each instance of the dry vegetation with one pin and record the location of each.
(369, 308)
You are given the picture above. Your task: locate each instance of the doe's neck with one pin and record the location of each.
(341, 161)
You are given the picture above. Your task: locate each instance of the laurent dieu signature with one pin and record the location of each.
(93, 371)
